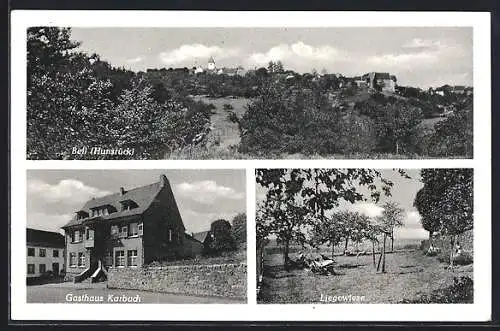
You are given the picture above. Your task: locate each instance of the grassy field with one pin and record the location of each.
(409, 275)
(224, 132)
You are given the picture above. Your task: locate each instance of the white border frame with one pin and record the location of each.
(479, 311)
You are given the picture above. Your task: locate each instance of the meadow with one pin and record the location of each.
(409, 276)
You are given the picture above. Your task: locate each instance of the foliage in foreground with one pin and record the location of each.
(76, 101)
(462, 291)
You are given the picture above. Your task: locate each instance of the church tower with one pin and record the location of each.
(211, 64)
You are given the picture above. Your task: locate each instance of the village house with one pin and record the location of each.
(45, 254)
(381, 81)
(127, 229)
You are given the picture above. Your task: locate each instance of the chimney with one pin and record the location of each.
(122, 191)
(163, 180)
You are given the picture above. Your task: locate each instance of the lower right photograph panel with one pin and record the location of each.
(364, 236)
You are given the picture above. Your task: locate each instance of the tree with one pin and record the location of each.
(454, 135)
(275, 67)
(328, 232)
(398, 126)
(222, 239)
(446, 202)
(295, 197)
(240, 228)
(372, 232)
(393, 217)
(430, 221)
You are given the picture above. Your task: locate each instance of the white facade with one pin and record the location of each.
(41, 259)
(211, 65)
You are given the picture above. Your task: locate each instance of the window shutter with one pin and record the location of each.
(139, 229)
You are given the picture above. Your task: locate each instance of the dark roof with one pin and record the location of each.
(143, 196)
(382, 75)
(42, 238)
(190, 237)
(201, 236)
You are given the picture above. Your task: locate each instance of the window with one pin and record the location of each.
(133, 229)
(76, 236)
(31, 269)
(140, 229)
(89, 234)
(42, 252)
(105, 211)
(72, 259)
(81, 259)
(108, 259)
(169, 235)
(114, 231)
(31, 252)
(41, 268)
(124, 232)
(132, 258)
(55, 253)
(120, 258)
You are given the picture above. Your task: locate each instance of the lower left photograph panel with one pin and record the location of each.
(136, 236)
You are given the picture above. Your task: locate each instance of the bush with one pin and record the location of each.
(228, 106)
(462, 291)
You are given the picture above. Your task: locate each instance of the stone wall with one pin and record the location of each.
(227, 280)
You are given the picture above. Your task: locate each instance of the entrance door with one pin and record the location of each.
(55, 269)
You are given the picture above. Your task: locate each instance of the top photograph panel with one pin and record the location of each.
(249, 93)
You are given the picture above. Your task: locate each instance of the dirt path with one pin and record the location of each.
(63, 293)
(224, 133)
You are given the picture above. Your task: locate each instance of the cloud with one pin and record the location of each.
(67, 191)
(294, 52)
(199, 221)
(135, 60)
(195, 51)
(47, 222)
(366, 208)
(418, 43)
(390, 60)
(208, 191)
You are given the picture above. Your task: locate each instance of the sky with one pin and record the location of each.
(403, 192)
(203, 196)
(418, 56)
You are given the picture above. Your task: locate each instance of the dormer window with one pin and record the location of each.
(81, 214)
(128, 204)
(102, 210)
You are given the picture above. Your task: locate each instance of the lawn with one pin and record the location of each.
(409, 275)
(225, 132)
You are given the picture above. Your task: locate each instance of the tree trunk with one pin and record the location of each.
(392, 240)
(397, 147)
(383, 255)
(333, 251)
(357, 253)
(452, 250)
(379, 261)
(430, 239)
(346, 243)
(373, 254)
(285, 254)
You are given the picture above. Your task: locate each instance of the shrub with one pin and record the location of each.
(228, 106)
(462, 291)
